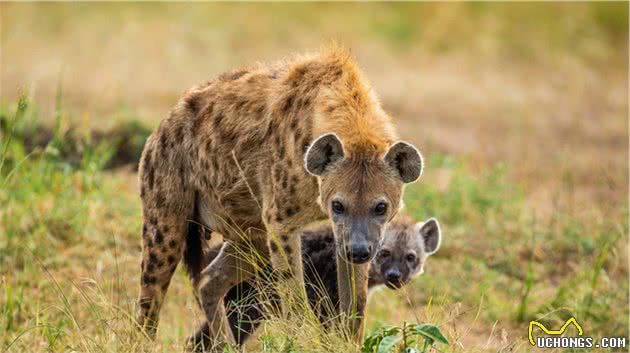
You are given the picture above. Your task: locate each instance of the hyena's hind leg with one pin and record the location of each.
(163, 242)
(166, 211)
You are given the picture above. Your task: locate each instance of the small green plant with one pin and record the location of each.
(404, 339)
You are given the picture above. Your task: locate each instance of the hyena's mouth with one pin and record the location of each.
(395, 285)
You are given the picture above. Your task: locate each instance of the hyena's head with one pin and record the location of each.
(360, 192)
(404, 250)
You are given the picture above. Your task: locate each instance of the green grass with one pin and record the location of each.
(69, 258)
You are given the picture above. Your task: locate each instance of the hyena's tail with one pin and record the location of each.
(195, 260)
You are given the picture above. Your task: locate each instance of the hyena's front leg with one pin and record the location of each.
(286, 260)
(285, 247)
(352, 282)
(288, 206)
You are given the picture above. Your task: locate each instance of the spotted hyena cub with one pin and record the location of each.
(404, 251)
(400, 258)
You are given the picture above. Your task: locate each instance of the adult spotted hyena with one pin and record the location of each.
(256, 155)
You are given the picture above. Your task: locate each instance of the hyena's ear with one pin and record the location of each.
(406, 160)
(431, 235)
(323, 153)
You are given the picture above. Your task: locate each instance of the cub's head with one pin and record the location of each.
(362, 192)
(405, 248)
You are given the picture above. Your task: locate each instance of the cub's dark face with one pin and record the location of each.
(404, 251)
(360, 194)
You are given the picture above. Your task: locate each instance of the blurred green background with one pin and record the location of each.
(521, 110)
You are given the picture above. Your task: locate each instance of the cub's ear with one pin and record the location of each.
(406, 160)
(323, 153)
(431, 235)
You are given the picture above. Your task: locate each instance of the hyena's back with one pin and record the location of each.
(213, 141)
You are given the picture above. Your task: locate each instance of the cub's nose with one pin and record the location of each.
(393, 277)
(359, 254)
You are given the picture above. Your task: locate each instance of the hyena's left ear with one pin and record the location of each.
(323, 153)
(406, 160)
(431, 235)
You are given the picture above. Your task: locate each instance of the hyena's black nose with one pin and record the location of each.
(359, 253)
(393, 277)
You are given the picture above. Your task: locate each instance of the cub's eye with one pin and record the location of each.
(411, 257)
(380, 208)
(384, 253)
(337, 207)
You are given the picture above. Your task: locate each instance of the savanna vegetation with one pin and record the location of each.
(521, 112)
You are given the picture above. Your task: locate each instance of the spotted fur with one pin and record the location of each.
(230, 158)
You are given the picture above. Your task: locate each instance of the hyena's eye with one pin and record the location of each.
(384, 253)
(411, 257)
(337, 207)
(380, 208)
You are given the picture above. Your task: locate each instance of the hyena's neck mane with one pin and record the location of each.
(346, 103)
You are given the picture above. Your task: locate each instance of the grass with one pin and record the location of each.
(74, 228)
(520, 110)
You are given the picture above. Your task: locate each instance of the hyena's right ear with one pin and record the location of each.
(406, 160)
(431, 235)
(323, 153)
